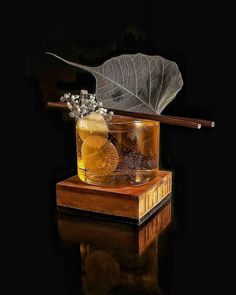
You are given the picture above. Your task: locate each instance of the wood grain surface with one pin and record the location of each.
(129, 201)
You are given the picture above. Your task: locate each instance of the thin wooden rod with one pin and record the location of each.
(171, 120)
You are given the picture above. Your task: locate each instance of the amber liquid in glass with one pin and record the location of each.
(129, 154)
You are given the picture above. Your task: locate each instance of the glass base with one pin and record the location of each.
(118, 178)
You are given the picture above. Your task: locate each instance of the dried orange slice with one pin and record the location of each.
(92, 124)
(99, 155)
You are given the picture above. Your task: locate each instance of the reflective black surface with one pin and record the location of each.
(115, 258)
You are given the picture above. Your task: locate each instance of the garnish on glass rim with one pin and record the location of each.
(84, 104)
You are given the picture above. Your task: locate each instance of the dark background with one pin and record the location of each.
(195, 37)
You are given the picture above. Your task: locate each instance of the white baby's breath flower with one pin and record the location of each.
(67, 95)
(69, 105)
(83, 104)
(72, 115)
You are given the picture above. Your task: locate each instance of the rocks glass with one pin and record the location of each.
(117, 152)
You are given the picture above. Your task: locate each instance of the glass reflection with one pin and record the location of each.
(116, 258)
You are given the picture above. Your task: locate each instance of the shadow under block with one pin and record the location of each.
(132, 202)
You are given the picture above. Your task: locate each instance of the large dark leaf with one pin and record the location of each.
(135, 82)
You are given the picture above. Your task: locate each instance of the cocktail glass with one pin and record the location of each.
(117, 152)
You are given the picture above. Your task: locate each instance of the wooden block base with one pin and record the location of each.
(129, 203)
